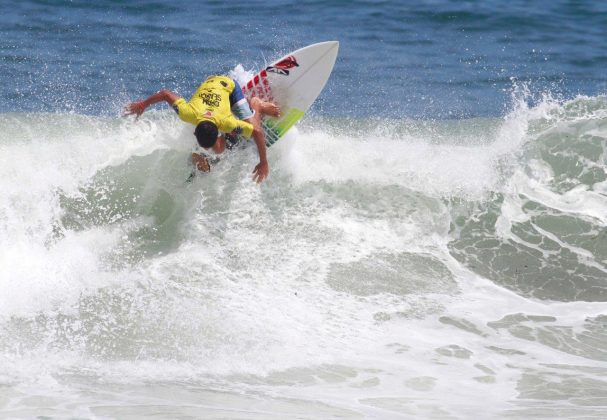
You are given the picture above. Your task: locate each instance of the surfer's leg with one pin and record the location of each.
(255, 119)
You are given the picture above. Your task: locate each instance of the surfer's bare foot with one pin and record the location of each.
(271, 109)
(266, 108)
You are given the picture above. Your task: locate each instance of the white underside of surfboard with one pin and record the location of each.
(293, 82)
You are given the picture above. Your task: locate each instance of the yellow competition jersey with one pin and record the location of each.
(211, 102)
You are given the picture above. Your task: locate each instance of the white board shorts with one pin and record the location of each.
(239, 105)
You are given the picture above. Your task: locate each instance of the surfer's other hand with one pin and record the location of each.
(201, 162)
(261, 171)
(135, 108)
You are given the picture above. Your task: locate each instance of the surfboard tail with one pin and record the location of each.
(275, 129)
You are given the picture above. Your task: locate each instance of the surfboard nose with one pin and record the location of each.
(328, 45)
(326, 49)
(293, 82)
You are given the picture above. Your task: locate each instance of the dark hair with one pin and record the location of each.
(206, 134)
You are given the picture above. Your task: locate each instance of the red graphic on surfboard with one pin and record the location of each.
(283, 66)
(259, 86)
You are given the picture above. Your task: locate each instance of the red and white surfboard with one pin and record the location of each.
(293, 82)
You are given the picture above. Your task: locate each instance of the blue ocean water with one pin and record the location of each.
(431, 241)
(428, 59)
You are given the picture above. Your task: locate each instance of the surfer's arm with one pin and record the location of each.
(262, 169)
(261, 108)
(248, 130)
(138, 107)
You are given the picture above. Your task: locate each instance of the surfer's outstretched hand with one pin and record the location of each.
(261, 172)
(202, 162)
(134, 108)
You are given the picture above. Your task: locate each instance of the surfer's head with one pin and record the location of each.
(206, 134)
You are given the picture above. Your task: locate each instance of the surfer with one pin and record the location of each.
(218, 109)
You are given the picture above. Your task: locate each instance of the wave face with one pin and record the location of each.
(543, 235)
(382, 266)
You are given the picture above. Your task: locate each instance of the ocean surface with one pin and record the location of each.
(431, 242)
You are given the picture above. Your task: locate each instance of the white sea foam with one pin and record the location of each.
(333, 284)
